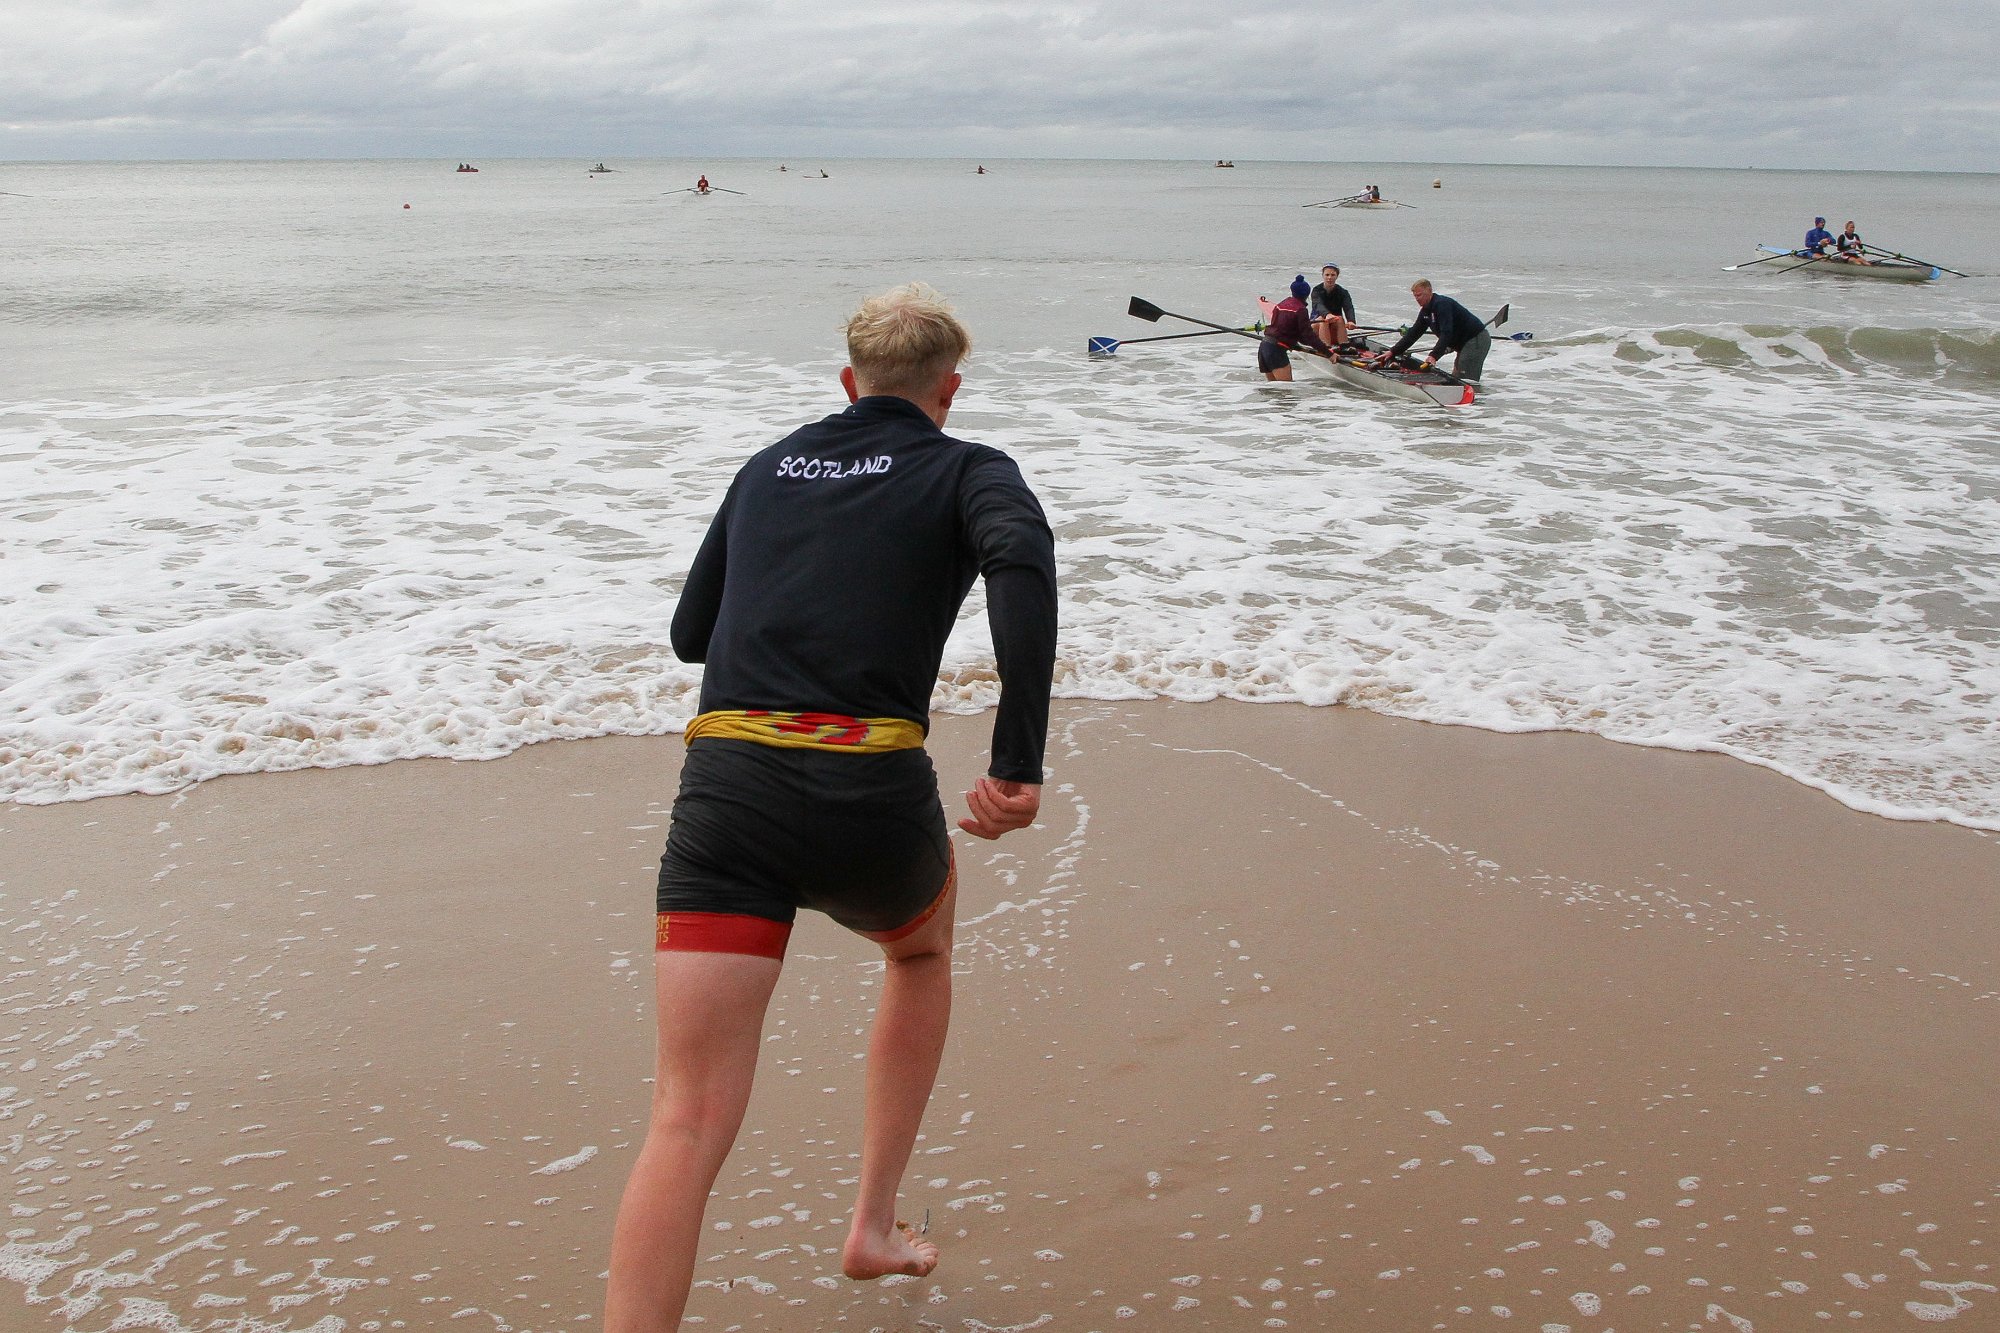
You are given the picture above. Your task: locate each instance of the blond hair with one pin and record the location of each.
(1424, 283)
(905, 340)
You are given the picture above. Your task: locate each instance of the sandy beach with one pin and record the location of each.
(1282, 1017)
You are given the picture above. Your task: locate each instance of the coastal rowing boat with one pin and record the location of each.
(1371, 203)
(1422, 386)
(1882, 270)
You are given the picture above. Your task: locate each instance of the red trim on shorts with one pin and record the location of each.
(720, 932)
(913, 926)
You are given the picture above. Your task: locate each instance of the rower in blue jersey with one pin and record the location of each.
(1819, 239)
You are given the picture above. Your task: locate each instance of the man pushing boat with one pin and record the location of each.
(1460, 333)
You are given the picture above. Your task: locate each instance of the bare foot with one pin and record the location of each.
(901, 1251)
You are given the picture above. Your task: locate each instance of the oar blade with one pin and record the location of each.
(1501, 318)
(1144, 309)
(1103, 346)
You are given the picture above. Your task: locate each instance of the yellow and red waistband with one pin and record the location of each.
(808, 731)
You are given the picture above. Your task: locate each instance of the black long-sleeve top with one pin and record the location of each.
(1454, 325)
(1334, 302)
(837, 564)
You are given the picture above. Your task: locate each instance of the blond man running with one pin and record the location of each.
(820, 602)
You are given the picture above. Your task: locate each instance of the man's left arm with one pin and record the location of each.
(1016, 554)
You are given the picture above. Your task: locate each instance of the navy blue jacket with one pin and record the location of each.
(1454, 325)
(837, 564)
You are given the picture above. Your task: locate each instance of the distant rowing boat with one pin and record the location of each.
(1421, 386)
(1882, 270)
(1362, 200)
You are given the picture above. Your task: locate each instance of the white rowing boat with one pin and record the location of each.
(1357, 201)
(1421, 386)
(1881, 270)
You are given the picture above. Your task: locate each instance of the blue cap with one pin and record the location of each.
(1301, 288)
(1819, 220)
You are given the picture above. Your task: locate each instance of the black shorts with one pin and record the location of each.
(1270, 356)
(758, 832)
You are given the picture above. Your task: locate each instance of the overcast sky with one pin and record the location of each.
(1694, 83)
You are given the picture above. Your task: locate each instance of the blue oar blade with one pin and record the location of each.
(1103, 346)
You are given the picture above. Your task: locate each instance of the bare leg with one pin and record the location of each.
(1332, 330)
(711, 1016)
(903, 1054)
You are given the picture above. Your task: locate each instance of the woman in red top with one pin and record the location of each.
(1289, 327)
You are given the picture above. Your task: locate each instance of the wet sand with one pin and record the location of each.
(1283, 1017)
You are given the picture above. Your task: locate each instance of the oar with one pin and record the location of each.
(1782, 254)
(1796, 267)
(725, 189)
(1499, 318)
(1110, 346)
(1344, 199)
(1892, 254)
(1146, 310)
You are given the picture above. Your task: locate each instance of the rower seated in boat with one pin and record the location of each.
(1819, 241)
(1332, 309)
(1848, 243)
(1289, 327)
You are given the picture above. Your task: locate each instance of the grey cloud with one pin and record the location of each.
(1543, 80)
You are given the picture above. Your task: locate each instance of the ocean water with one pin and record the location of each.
(292, 474)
